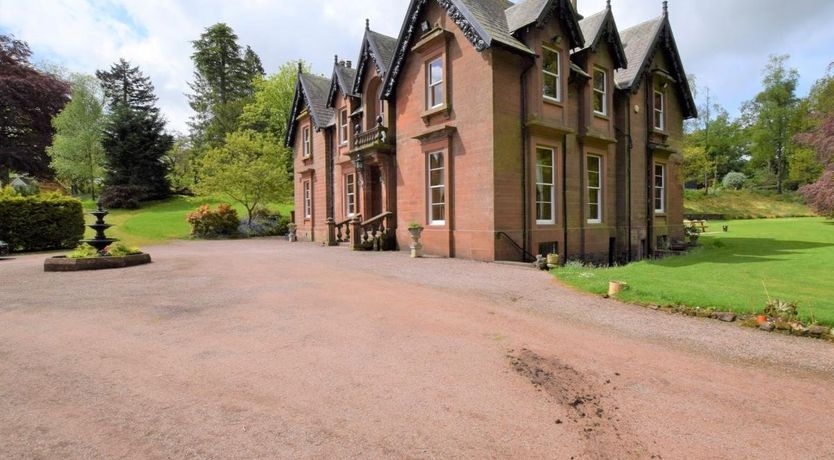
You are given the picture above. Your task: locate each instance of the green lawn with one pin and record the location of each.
(793, 258)
(160, 221)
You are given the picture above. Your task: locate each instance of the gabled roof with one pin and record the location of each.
(342, 80)
(376, 48)
(483, 22)
(641, 42)
(527, 12)
(599, 25)
(310, 91)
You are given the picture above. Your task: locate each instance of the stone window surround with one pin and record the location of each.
(600, 217)
(660, 210)
(604, 91)
(307, 198)
(559, 99)
(553, 153)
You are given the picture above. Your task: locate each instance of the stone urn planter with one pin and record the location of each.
(616, 287)
(552, 260)
(292, 234)
(416, 231)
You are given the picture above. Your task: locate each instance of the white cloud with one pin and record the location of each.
(725, 43)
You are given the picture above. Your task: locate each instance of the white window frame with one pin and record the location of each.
(350, 195)
(660, 204)
(308, 199)
(432, 187)
(604, 91)
(344, 127)
(551, 184)
(558, 74)
(598, 218)
(307, 142)
(430, 85)
(660, 112)
(381, 105)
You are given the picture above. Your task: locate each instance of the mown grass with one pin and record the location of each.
(789, 259)
(745, 204)
(161, 221)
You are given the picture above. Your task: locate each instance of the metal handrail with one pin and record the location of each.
(526, 254)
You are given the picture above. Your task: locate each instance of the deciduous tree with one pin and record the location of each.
(770, 116)
(77, 153)
(29, 98)
(248, 168)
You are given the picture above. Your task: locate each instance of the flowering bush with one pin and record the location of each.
(220, 223)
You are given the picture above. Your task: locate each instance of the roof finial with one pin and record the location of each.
(367, 24)
(665, 8)
(299, 66)
(608, 4)
(335, 58)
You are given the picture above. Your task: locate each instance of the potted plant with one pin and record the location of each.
(552, 260)
(416, 231)
(292, 228)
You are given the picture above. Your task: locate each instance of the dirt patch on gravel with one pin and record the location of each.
(591, 406)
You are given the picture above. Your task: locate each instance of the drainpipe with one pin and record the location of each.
(629, 147)
(525, 211)
(649, 168)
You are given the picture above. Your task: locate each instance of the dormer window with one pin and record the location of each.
(434, 84)
(551, 74)
(343, 127)
(600, 92)
(659, 111)
(307, 142)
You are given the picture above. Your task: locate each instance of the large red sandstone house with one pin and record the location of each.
(505, 130)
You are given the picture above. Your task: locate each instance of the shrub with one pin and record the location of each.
(734, 180)
(83, 251)
(221, 223)
(265, 224)
(123, 196)
(820, 195)
(40, 222)
(121, 250)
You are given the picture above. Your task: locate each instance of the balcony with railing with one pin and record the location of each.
(375, 138)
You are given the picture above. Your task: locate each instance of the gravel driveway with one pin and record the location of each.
(264, 349)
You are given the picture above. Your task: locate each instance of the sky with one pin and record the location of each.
(724, 43)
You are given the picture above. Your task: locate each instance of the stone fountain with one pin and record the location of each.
(100, 241)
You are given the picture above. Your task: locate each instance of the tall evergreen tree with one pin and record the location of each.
(222, 84)
(127, 86)
(134, 139)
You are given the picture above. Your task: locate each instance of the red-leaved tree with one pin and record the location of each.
(29, 99)
(820, 195)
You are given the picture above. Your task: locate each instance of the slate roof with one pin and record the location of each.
(312, 90)
(490, 17)
(595, 26)
(639, 43)
(383, 48)
(345, 77)
(527, 12)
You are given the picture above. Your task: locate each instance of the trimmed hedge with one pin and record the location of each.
(41, 222)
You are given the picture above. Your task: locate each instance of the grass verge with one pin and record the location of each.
(789, 259)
